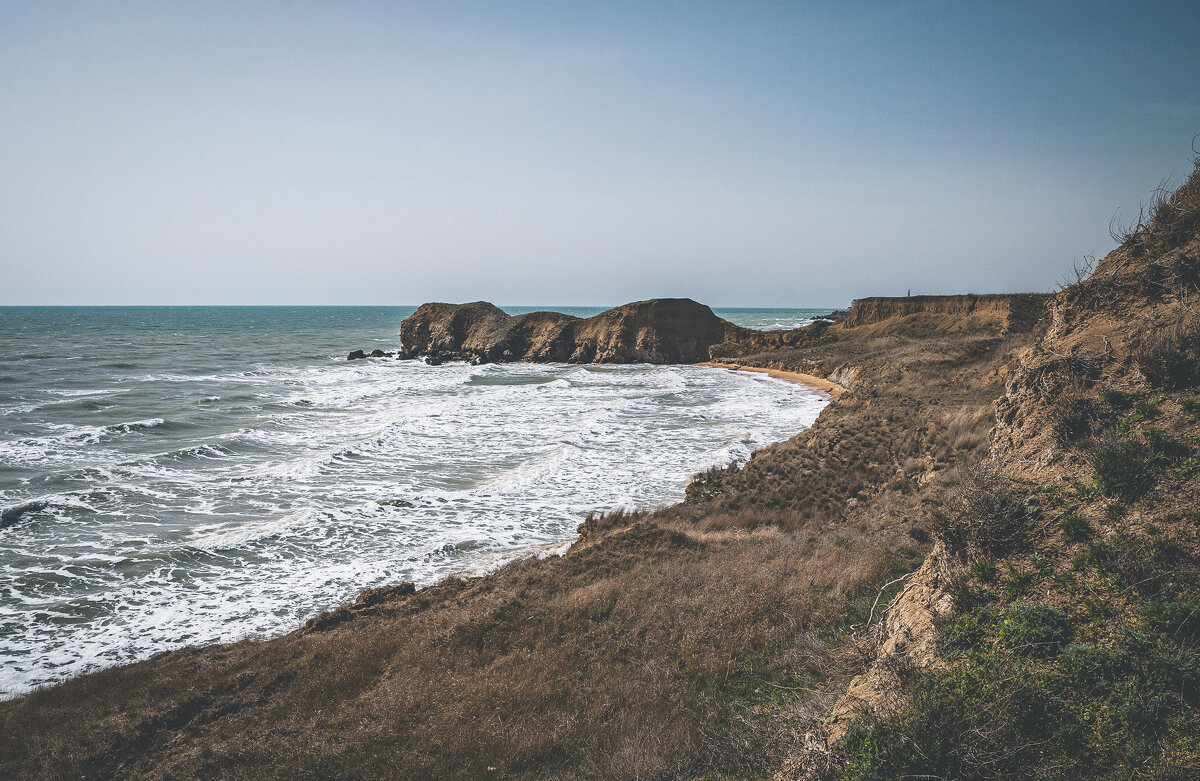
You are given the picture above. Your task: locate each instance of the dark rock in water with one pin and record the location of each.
(432, 361)
(377, 353)
(664, 330)
(354, 356)
(14, 514)
(393, 503)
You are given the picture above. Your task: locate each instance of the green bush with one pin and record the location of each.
(1016, 582)
(963, 633)
(1090, 713)
(1146, 409)
(1073, 418)
(1171, 357)
(1031, 628)
(983, 570)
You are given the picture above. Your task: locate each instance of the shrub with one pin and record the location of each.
(1123, 468)
(1145, 409)
(983, 570)
(1038, 629)
(980, 519)
(1164, 447)
(963, 633)
(1117, 400)
(1092, 713)
(1170, 219)
(1016, 582)
(1179, 619)
(1170, 357)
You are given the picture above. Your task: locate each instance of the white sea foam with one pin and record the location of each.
(181, 522)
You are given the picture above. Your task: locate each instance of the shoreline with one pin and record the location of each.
(820, 383)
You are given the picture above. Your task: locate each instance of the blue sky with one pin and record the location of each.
(743, 154)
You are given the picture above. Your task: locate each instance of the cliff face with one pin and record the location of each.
(663, 330)
(1005, 313)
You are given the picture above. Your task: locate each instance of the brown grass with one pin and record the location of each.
(654, 652)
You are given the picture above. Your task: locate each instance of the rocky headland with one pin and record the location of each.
(678, 330)
(663, 330)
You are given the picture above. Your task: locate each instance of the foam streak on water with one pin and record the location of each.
(174, 482)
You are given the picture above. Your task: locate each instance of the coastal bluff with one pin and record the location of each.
(680, 330)
(661, 330)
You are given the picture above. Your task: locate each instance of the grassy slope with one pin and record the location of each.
(1073, 650)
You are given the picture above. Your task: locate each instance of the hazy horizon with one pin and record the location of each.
(743, 155)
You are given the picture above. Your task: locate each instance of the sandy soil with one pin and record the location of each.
(832, 388)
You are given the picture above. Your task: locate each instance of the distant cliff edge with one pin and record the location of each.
(679, 330)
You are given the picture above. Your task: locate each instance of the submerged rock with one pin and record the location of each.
(14, 514)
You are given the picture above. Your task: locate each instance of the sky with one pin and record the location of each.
(568, 153)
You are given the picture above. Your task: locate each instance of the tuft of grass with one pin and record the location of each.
(983, 570)
(1015, 583)
(1170, 357)
(1123, 468)
(1073, 417)
(1076, 528)
(1117, 400)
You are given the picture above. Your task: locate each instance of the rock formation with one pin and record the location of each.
(663, 330)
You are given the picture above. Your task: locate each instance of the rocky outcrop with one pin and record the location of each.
(679, 330)
(662, 330)
(376, 353)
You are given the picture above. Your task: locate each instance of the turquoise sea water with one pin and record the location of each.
(172, 476)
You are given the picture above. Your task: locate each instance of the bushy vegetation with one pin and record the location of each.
(1123, 467)
(1122, 712)
(979, 518)
(1106, 686)
(1170, 358)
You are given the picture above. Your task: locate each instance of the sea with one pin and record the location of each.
(174, 476)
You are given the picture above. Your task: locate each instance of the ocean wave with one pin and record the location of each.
(206, 451)
(136, 425)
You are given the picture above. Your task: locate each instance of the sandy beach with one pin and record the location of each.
(830, 387)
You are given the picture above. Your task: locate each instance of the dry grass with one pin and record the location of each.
(654, 652)
(1170, 219)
